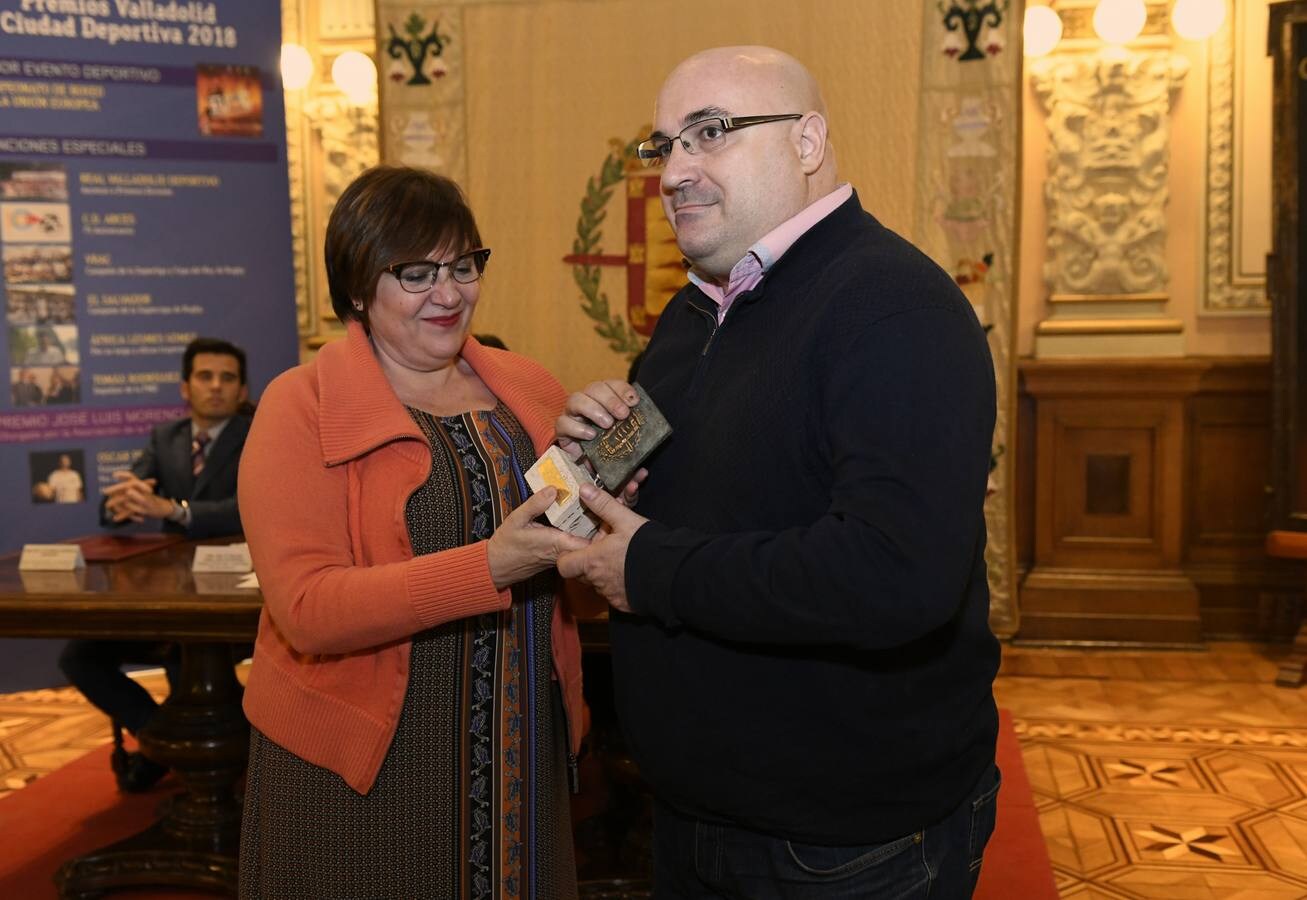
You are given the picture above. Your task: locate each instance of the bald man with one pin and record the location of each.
(803, 662)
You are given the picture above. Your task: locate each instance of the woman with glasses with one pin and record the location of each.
(415, 694)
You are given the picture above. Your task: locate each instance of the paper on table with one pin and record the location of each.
(249, 581)
(233, 558)
(51, 557)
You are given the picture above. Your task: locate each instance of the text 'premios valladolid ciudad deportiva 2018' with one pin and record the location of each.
(190, 23)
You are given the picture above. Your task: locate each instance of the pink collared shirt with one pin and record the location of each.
(746, 273)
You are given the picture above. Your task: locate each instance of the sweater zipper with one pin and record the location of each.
(711, 334)
(699, 368)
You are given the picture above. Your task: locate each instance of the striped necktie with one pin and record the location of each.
(199, 441)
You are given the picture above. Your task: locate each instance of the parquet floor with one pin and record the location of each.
(43, 730)
(1164, 775)
(1157, 775)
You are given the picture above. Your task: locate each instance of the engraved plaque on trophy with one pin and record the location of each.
(618, 451)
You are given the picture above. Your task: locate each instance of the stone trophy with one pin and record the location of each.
(615, 453)
(618, 451)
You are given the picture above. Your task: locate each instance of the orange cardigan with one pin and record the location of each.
(329, 465)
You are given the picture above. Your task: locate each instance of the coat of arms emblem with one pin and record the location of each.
(654, 270)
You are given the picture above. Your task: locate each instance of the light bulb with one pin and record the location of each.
(1197, 20)
(1042, 30)
(356, 74)
(296, 67)
(1120, 21)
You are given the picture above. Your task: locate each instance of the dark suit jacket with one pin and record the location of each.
(212, 496)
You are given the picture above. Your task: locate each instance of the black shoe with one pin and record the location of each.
(138, 774)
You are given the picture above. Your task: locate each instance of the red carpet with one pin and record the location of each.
(77, 809)
(65, 814)
(1016, 861)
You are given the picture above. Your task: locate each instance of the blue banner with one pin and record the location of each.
(143, 202)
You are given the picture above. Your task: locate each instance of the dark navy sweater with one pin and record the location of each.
(812, 656)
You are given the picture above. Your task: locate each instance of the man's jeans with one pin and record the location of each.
(694, 859)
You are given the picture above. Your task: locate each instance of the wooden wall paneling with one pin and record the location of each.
(1107, 483)
(1243, 594)
(1228, 468)
(1109, 448)
(1073, 547)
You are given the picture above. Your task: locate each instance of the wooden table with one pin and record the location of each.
(200, 731)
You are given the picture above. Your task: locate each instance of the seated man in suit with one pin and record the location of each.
(186, 480)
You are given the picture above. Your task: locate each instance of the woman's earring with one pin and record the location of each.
(358, 305)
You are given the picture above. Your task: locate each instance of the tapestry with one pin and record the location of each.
(420, 49)
(968, 175)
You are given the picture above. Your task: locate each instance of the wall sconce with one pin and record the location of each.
(296, 67)
(356, 75)
(1197, 20)
(335, 133)
(1041, 30)
(1118, 22)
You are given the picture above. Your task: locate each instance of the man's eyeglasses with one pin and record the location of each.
(704, 136)
(416, 277)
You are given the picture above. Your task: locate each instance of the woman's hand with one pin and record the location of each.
(521, 547)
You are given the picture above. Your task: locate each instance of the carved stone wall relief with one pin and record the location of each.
(347, 135)
(1108, 120)
(1106, 191)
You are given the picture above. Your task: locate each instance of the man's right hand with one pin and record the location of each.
(133, 499)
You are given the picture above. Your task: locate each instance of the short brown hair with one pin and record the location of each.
(387, 215)
(210, 345)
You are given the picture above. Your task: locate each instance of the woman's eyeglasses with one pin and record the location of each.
(419, 276)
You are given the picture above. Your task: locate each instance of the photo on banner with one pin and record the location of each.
(57, 476)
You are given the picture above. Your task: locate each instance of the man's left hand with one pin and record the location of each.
(602, 565)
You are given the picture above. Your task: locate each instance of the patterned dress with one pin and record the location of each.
(471, 800)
